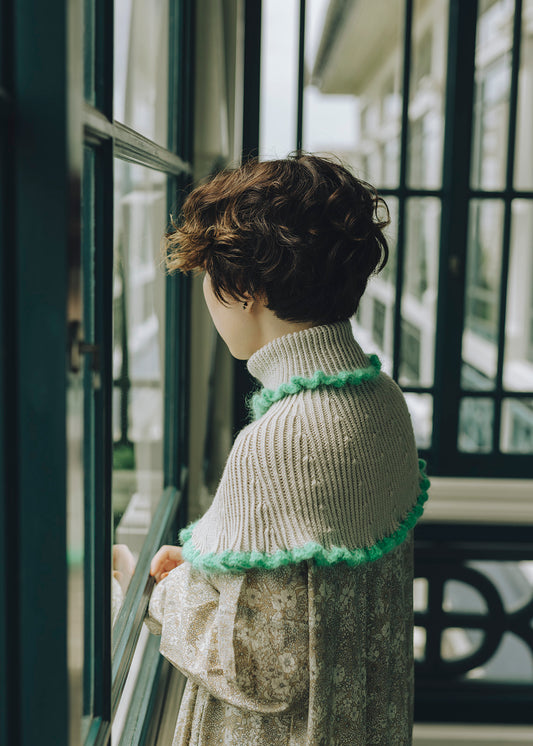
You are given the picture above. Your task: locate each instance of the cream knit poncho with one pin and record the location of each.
(329, 470)
(292, 616)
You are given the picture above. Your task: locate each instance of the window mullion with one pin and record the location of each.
(454, 227)
(400, 244)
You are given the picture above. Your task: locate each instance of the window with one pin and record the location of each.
(378, 100)
(431, 102)
(136, 166)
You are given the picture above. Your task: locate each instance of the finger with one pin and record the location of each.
(157, 559)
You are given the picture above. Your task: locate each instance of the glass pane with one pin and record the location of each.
(421, 410)
(138, 359)
(512, 582)
(88, 50)
(482, 301)
(419, 292)
(517, 426)
(460, 596)
(476, 417)
(457, 643)
(373, 324)
(352, 97)
(279, 78)
(420, 594)
(518, 361)
(419, 643)
(523, 164)
(493, 80)
(141, 67)
(426, 94)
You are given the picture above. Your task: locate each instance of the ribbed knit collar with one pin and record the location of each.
(329, 348)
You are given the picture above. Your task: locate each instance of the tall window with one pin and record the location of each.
(136, 165)
(378, 99)
(431, 103)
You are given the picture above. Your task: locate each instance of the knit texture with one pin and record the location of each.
(328, 471)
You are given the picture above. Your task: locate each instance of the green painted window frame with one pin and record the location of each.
(110, 140)
(44, 129)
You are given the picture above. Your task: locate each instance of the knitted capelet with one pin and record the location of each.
(327, 471)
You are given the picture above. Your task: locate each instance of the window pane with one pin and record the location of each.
(352, 103)
(517, 426)
(373, 324)
(493, 80)
(518, 363)
(420, 291)
(141, 67)
(279, 78)
(483, 275)
(138, 354)
(426, 95)
(476, 417)
(421, 411)
(523, 175)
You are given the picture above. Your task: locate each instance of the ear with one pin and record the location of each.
(247, 302)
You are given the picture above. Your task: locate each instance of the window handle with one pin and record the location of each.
(78, 347)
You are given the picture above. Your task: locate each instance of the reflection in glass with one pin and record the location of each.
(523, 164)
(426, 94)
(482, 294)
(90, 383)
(518, 361)
(476, 417)
(420, 291)
(517, 426)
(88, 50)
(138, 353)
(493, 80)
(141, 67)
(352, 99)
(279, 78)
(421, 410)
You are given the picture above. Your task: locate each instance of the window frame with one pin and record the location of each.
(110, 140)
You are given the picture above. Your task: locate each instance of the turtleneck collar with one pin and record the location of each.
(329, 348)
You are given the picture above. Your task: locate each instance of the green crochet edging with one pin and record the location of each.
(235, 561)
(264, 399)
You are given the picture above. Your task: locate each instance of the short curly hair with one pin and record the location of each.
(302, 233)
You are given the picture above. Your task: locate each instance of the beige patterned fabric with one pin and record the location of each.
(298, 655)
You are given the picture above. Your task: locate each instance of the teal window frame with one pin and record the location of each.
(44, 133)
(110, 661)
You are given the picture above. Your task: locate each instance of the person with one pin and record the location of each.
(289, 604)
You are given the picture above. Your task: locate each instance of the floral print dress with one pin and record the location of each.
(302, 654)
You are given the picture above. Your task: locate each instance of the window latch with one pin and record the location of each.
(78, 347)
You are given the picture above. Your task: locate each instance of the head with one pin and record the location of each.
(297, 238)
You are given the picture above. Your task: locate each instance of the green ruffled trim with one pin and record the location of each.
(264, 399)
(235, 561)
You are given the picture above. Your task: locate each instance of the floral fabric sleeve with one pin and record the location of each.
(244, 637)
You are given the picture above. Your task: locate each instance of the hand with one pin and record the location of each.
(123, 565)
(165, 560)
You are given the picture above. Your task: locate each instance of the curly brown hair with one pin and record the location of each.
(302, 233)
